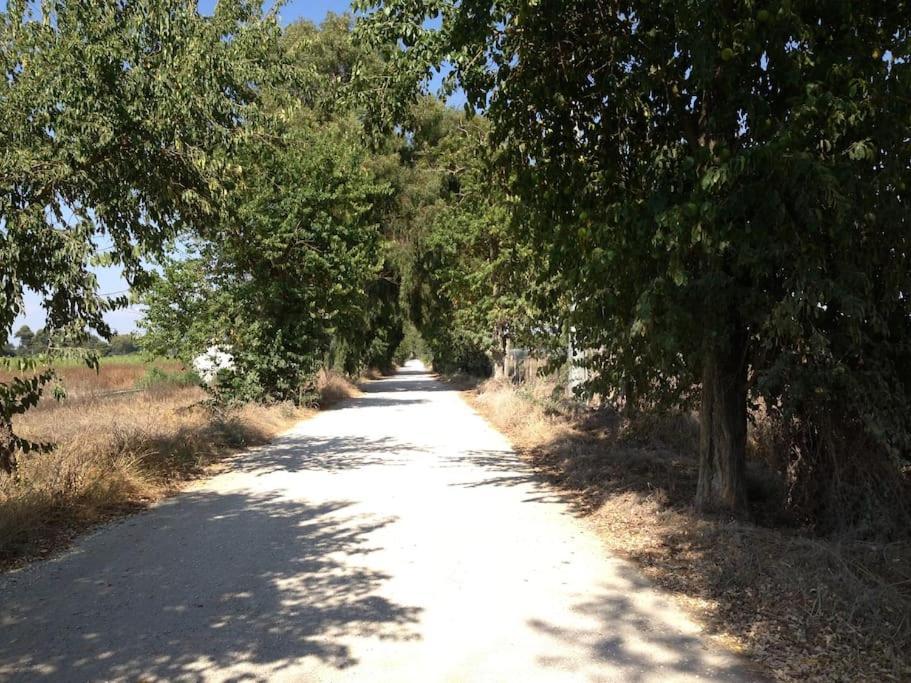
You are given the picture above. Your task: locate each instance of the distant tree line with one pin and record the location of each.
(33, 343)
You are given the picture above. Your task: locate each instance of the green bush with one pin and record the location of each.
(156, 377)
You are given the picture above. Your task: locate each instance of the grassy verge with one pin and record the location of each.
(118, 454)
(805, 608)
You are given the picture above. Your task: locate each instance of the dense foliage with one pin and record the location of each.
(287, 272)
(721, 189)
(117, 121)
(292, 276)
(468, 280)
(333, 237)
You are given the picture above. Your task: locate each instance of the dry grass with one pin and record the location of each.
(334, 387)
(805, 608)
(114, 455)
(114, 374)
(374, 373)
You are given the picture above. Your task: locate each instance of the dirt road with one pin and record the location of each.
(395, 538)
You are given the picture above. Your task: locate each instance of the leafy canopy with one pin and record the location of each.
(118, 121)
(715, 185)
(289, 276)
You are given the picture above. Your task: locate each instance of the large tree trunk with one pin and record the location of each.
(629, 398)
(509, 370)
(499, 355)
(499, 363)
(7, 447)
(723, 429)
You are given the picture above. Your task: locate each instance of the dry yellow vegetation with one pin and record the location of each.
(118, 453)
(333, 387)
(116, 373)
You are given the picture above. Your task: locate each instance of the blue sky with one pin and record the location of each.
(314, 10)
(109, 279)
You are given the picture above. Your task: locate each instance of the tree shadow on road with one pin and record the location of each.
(380, 401)
(302, 453)
(260, 583)
(406, 381)
(505, 468)
(621, 630)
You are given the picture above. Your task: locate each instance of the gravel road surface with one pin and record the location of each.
(395, 538)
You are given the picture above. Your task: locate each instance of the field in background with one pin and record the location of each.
(117, 452)
(116, 373)
(806, 608)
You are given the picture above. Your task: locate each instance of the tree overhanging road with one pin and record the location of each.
(396, 538)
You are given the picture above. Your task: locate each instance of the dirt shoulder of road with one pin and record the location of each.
(118, 455)
(802, 608)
